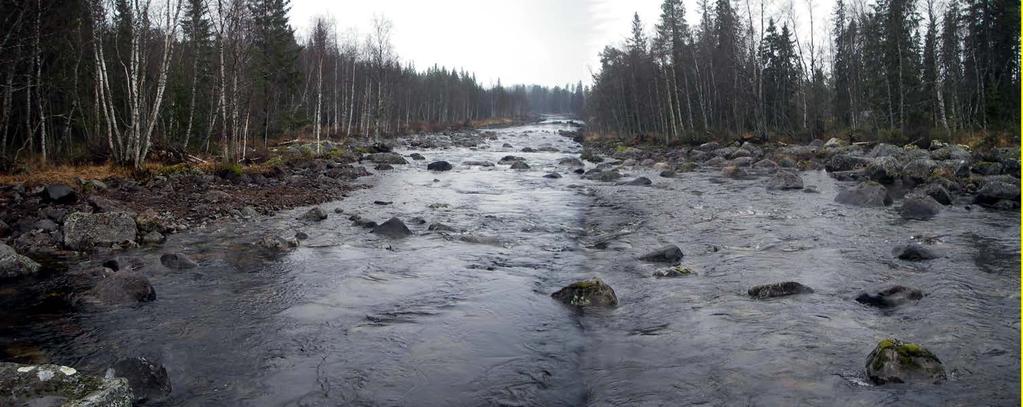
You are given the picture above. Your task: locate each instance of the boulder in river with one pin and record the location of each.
(778, 290)
(783, 180)
(666, 254)
(913, 252)
(314, 214)
(602, 175)
(439, 166)
(177, 261)
(59, 194)
(387, 158)
(895, 361)
(477, 163)
(87, 230)
(148, 379)
(571, 162)
(677, 271)
(638, 181)
(120, 288)
(519, 165)
(890, 297)
(509, 159)
(938, 192)
(275, 243)
(867, 193)
(440, 227)
(592, 292)
(919, 207)
(393, 228)
(552, 175)
(844, 162)
(416, 156)
(52, 385)
(885, 169)
(14, 265)
(998, 194)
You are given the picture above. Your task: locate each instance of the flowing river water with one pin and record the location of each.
(465, 319)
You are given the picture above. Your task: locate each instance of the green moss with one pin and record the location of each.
(621, 149)
(229, 169)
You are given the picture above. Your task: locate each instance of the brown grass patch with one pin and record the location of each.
(67, 174)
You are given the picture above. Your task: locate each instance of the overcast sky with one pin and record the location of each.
(547, 42)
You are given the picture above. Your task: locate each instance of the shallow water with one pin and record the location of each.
(351, 318)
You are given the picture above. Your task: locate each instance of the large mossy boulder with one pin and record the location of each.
(591, 292)
(84, 231)
(894, 361)
(52, 385)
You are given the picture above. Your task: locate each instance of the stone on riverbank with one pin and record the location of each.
(591, 292)
(315, 214)
(919, 207)
(778, 290)
(84, 231)
(894, 361)
(50, 385)
(14, 265)
(387, 158)
(59, 194)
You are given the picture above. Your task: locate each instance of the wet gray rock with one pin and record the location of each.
(314, 214)
(919, 170)
(103, 204)
(998, 194)
(510, 159)
(14, 265)
(275, 243)
(119, 288)
(666, 254)
(890, 297)
(895, 361)
(593, 292)
(732, 171)
(439, 166)
(177, 261)
(416, 156)
(59, 194)
(951, 153)
(45, 225)
(884, 169)
(571, 162)
(52, 385)
(938, 192)
(519, 165)
(477, 163)
(667, 174)
(387, 158)
(778, 290)
(552, 175)
(913, 252)
(528, 150)
(440, 227)
(988, 168)
(853, 175)
(674, 272)
(83, 231)
(867, 193)
(885, 150)
(602, 175)
(393, 228)
(783, 180)
(361, 222)
(153, 237)
(148, 379)
(638, 181)
(383, 167)
(766, 165)
(919, 207)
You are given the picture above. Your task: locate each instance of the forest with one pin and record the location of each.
(894, 70)
(98, 80)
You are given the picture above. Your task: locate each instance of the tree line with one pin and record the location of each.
(896, 69)
(111, 79)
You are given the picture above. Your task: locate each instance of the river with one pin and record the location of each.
(465, 319)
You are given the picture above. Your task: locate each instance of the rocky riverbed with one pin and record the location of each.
(517, 266)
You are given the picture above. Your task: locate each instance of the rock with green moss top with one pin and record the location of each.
(895, 361)
(59, 385)
(591, 292)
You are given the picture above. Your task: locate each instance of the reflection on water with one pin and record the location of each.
(464, 318)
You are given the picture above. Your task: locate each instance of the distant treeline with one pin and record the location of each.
(888, 71)
(97, 79)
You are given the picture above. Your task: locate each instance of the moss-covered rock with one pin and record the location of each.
(895, 361)
(592, 292)
(39, 384)
(677, 271)
(778, 290)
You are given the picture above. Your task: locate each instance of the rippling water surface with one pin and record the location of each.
(465, 318)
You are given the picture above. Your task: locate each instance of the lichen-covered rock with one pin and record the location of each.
(919, 207)
(919, 170)
(275, 243)
(890, 297)
(867, 193)
(885, 150)
(844, 162)
(938, 192)
(895, 361)
(14, 265)
(677, 271)
(998, 194)
(988, 168)
(784, 180)
(84, 231)
(30, 385)
(778, 290)
(666, 254)
(591, 292)
(387, 158)
(884, 169)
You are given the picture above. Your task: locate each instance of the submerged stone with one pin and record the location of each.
(439, 166)
(393, 228)
(666, 254)
(913, 252)
(177, 261)
(890, 297)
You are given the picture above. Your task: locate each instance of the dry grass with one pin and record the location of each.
(67, 174)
